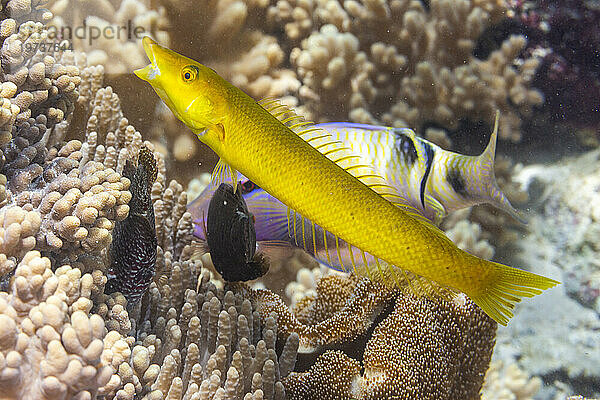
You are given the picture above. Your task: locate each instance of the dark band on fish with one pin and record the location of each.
(406, 147)
(429, 154)
(457, 182)
(248, 186)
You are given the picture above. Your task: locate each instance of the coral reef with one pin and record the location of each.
(51, 347)
(407, 354)
(65, 191)
(193, 338)
(397, 62)
(509, 382)
(568, 35)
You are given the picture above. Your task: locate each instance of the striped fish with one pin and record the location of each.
(433, 180)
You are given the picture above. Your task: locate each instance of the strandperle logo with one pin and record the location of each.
(128, 31)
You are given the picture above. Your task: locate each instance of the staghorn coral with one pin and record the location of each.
(71, 197)
(51, 347)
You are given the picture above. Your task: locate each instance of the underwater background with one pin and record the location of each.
(96, 174)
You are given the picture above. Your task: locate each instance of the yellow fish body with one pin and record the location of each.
(255, 142)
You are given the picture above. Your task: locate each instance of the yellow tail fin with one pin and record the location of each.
(506, 288)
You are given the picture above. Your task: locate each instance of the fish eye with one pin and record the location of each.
(189, 73)
(405, 146)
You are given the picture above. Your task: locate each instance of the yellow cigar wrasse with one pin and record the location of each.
(250, 138)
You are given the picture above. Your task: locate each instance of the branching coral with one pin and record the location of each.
(25, 10)
(51, 347)
(112, 30)
(197, 339)
(361, 54)
(38, 91)
(17, 235)
(79, 200)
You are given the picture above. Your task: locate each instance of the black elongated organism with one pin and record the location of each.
(133, 248)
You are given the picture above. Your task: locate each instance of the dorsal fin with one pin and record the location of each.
(343, 156)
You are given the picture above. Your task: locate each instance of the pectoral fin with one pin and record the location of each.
(224, 173)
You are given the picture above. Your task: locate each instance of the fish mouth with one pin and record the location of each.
(150, 72)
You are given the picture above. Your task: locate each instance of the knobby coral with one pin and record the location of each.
(48, 339)
(112, 30)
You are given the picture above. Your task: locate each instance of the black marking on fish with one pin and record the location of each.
(429, 154)
(248, 186)
(133, 247)
(231, 237)
(455, 179)
(406, 147)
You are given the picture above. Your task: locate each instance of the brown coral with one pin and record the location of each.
(422, 349)
(18, 228)
(331, 318)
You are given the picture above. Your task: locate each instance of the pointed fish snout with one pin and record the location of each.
(151, 71)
